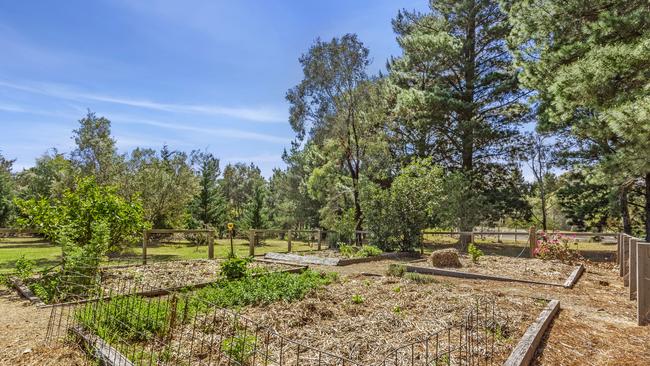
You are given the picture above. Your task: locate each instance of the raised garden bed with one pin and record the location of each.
(155, 279)
(332, 257)
(366, 319)
(356, 321)
(502, 268)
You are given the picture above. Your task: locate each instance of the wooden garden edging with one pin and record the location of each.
(524, 351)
(324, 261)
(573, 278)
(26, 292)
(102, 351)
(478, 276)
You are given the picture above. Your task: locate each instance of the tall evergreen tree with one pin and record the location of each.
(588, 62)
(456, 99)
(209, 206)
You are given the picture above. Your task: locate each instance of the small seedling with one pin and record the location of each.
(397, 289)
(357, 299)
(397, 309)
(474, 252)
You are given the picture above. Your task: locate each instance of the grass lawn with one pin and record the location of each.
(38, 250)
(46, 255)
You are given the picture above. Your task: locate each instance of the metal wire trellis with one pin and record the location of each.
(124, 328)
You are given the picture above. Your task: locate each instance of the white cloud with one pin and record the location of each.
(257, 114)
(220, 132)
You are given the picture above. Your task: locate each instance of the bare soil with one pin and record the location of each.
(551, 271)
(22, 334)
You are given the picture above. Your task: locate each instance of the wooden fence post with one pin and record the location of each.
(145, 239)
(633, 268)
(320, 238)
(251, 242)
(210, 245)
(626, 260)
(643, 283)
(532, 240)
(289, 241)
(618, 254)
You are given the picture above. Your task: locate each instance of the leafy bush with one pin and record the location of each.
(79, 208)
(351, 251)
(396, 270)
(347, 250)
(368, 251)
(474, 252)
(235, 268)
(555, 246)
(24, 268)
(397, 215)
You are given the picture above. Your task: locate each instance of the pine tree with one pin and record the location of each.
(456, 98)
(208, 207)
(588, 62)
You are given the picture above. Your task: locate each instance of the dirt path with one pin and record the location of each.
(22, 332)
(596, 325)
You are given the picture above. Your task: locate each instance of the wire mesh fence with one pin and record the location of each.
(122, 327)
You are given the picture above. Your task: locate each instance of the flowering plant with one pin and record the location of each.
(556, 246)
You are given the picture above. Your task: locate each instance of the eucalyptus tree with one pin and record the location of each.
(7, 190)
(327, 109)
(96, 152)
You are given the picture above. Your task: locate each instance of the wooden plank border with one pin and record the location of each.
(524, 351)
(574, 276)
(103, 352)
(324, 261)
(473, 276)
(26, 292)
(569, 283)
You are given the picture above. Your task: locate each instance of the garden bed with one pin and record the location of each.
(366, 319)
(530, 270)
(175, 274)
(332, 257)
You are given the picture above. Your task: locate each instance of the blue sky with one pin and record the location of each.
(191, 74)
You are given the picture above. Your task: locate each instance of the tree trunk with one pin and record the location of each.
(625, 211)
(543, 199)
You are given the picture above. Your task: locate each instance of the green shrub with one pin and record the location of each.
(365, 251)
(396, 270)
(474, 252)
(24, 268)
(347, 250)
(235, 268)
(368, 251)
